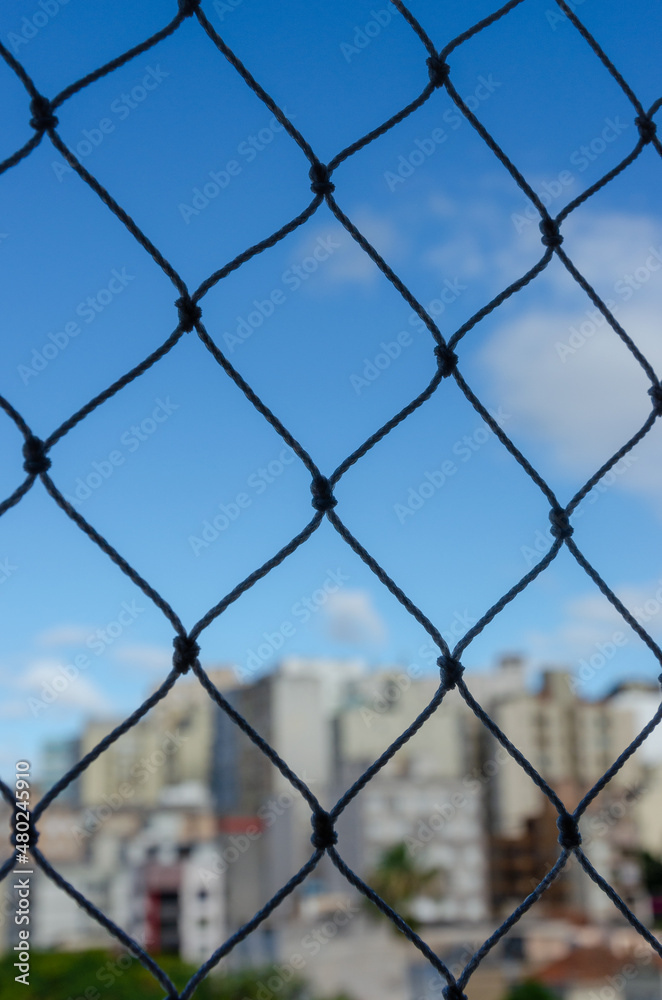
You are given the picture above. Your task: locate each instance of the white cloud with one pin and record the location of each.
(481, 244)
(350, 617)
(144, 657)
(348, 264)
(465, 254)
(65, 635)
(607, 246)
(51, 681)
(595, 607)
(581, 394)
(590, 619)
(13, 708)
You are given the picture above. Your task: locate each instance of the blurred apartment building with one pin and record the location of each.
(183, 828)
(571, 743)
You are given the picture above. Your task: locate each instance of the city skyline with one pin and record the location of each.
(189, 482)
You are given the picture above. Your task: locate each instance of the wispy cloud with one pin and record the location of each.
(565, 375)
(51, 682)
(65, 635)
(351, 617)
(144, 657)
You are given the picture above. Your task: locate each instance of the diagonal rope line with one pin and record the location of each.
(113, 554)
(401, 924)
(611, 319)
(255, 737)
(98, 915)
(103, 744)
(390, 752)
(524, 906)
(250, 926)
(618, 763)
(618, 902)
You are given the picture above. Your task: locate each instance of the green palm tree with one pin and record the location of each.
(398, 879)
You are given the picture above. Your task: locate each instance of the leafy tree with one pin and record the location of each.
(97, 974)
(398, 879)
(530, 989)
(651, 871)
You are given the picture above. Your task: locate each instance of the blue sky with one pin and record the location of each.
(189, 151)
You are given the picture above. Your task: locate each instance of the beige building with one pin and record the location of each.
(451, 795)
(429, 796)
(142, 869)
(569, 741)
(294, 709)
(167, 757)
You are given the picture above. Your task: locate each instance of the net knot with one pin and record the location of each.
(189, 312)
(438, 70)
(43, 117)
(323, 498)
(320, 178)
(561, 527)
(569, 835)
(324, 834)
(451, 671)
(551, 237)
(453, 992)
(186, 653)
(36, 459)
(32, 833)
(188, 7)
(647, 128)
(656, 395)
(446, 360)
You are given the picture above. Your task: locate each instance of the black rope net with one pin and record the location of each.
(445, 363)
